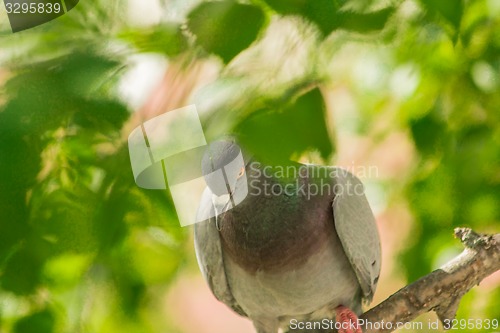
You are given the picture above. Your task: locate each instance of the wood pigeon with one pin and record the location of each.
(301, 245)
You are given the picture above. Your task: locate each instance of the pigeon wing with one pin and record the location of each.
(209, 253)
(357, 230)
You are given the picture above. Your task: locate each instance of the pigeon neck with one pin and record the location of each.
(272, 228)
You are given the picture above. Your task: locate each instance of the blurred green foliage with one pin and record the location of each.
(225, 28)
(82, 249)
(282, 130)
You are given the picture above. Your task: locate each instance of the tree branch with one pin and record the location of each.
(441, 290)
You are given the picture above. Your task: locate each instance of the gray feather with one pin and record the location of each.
(209, 254)
(357, 231)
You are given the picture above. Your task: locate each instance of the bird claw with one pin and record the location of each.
(347, 320)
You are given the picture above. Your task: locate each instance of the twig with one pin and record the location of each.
(441, 290)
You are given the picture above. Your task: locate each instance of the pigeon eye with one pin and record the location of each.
(241, 173)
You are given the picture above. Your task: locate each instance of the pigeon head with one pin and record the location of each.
(223, 167)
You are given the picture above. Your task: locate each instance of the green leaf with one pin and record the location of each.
(225, 28)
(85, 72)
(19, 166)
(278, 134)
(365, 22)
(40, 322)
(321, 12)
(103, 115)
(288, 6)
(451, 10)
(428, 133)
(45, 95)
(167, 39)
(70, 4)
(22, 273)
(327, 16)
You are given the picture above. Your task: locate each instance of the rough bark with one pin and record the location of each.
(441, 290)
